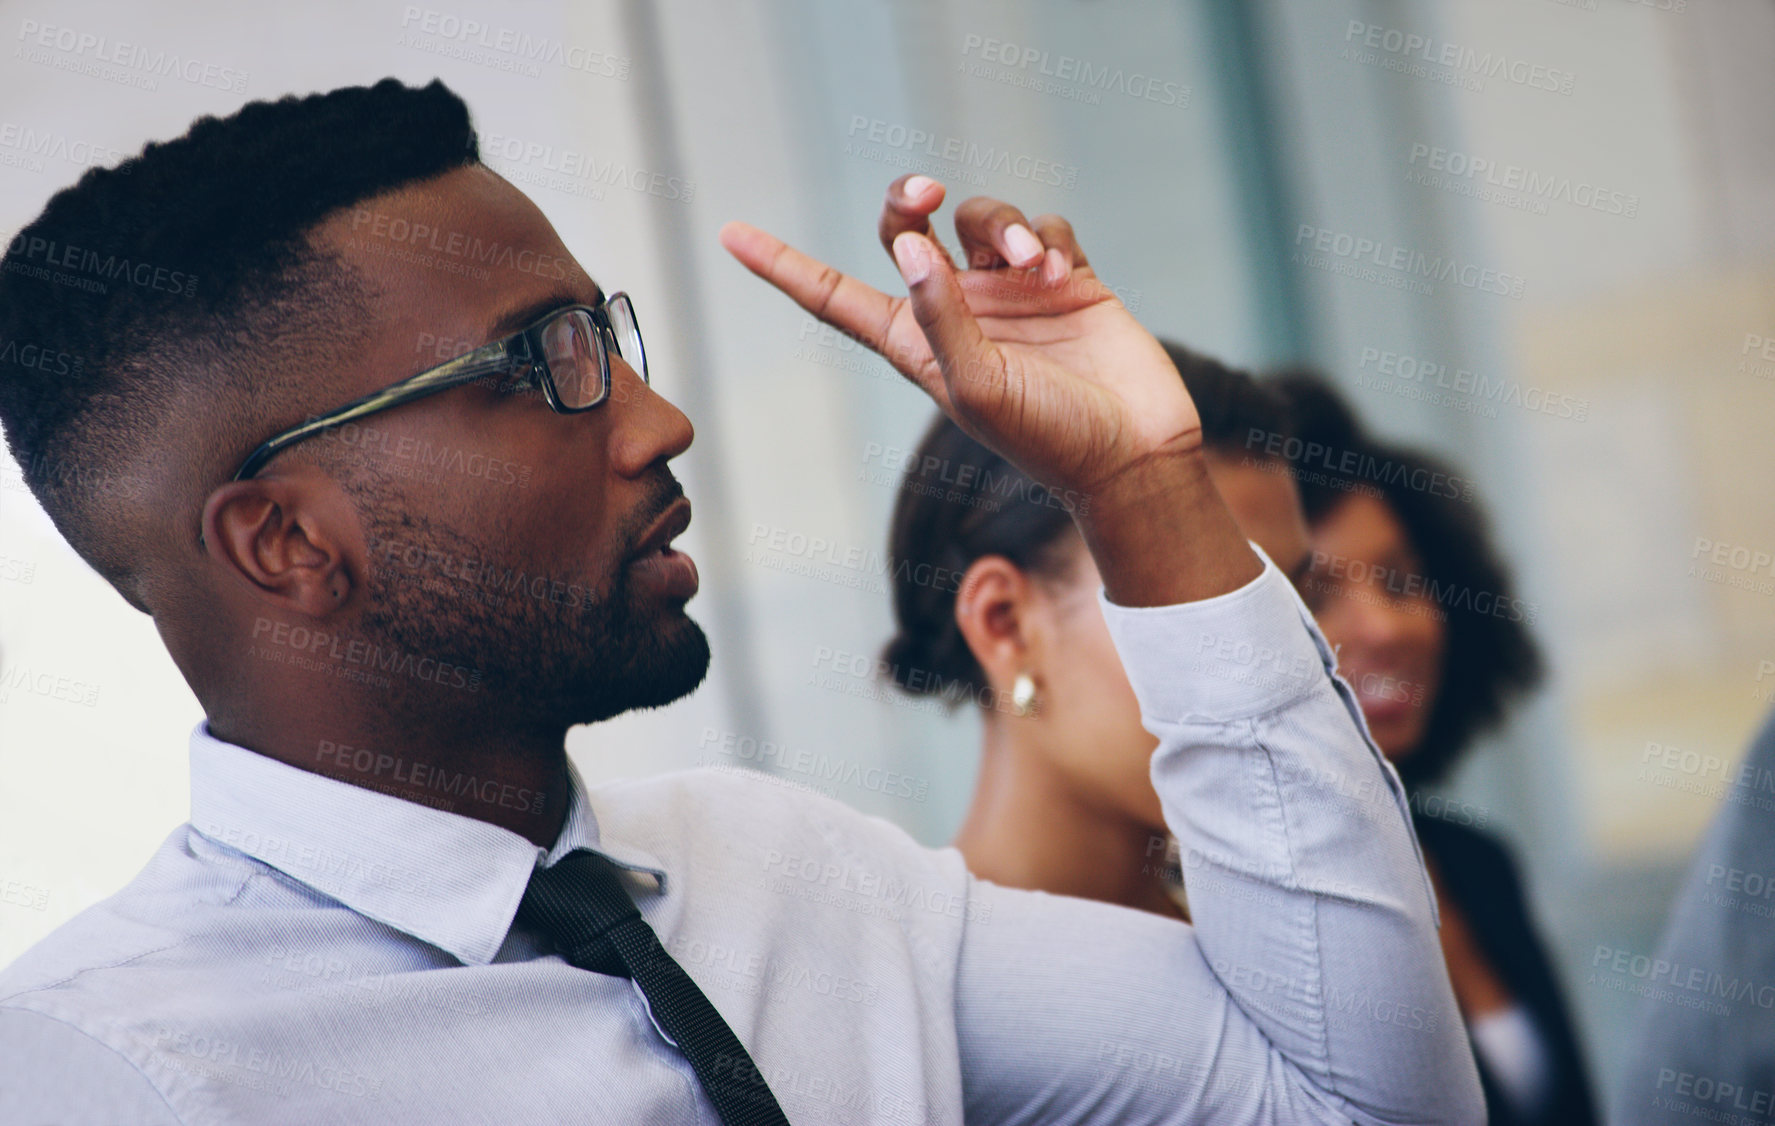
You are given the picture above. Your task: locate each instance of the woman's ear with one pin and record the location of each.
(996, 612)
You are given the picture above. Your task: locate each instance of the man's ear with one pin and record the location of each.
(289, 536)
(993, 610)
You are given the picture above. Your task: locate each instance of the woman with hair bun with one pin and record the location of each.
(1065, 801)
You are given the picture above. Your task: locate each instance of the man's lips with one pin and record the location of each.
(656, 566)
(668, 527)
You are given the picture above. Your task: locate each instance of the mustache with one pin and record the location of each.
(667, 493)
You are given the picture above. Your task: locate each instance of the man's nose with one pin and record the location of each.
(648, 428)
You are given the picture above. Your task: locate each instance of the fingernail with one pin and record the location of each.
(1054, 267)
(1021, 243)
(912, 257)
(916, 186)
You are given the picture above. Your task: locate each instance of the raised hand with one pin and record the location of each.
(1028, 351)
(1032, 355)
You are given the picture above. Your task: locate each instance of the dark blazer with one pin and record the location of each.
(1480, 878)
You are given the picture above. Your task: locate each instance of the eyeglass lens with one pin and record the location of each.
(627, 333)
(571, 344)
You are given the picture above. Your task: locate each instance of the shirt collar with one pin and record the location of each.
(448, 880)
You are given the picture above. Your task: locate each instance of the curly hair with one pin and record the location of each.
(1489, 660)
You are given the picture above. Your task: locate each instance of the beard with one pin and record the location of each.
(552, 650)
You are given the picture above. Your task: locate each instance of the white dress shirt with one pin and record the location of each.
(308, 951)
(1516, 1054)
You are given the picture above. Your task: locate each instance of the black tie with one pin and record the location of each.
(581, 905)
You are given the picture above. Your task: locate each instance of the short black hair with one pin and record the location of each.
(1489, 659)
(959, 501)
(187, 269)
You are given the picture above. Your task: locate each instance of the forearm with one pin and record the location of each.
(1161, 535)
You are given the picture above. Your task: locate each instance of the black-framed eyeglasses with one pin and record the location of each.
(565, 354)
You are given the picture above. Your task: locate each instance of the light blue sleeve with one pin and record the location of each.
(1310, 987)
(52, 1073)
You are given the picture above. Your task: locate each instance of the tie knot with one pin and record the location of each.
(581, 904)
(576, 903)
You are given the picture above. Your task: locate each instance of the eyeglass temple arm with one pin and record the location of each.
(463, 369)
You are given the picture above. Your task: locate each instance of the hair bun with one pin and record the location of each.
(904, 654)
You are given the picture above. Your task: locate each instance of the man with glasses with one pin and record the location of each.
(397, 902)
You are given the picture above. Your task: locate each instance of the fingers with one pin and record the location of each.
(1061, 283)
(853, 307)
(910, 201)
(1056, 234)
(836, 298)
(973, 373)
(995, 234)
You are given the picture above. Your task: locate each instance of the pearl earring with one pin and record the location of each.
(1023, 694)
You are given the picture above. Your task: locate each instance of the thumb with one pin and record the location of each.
(970, 363)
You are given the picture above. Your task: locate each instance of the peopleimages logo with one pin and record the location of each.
(1415, 263)
(1415, 372)
(46, 360)
(516, 45)
(816, 764)
(1757, 356)
(95, 50)
(1697, 1090)
(49, 685)
(1074, 76)
(886, 135)
(377, 765)
(36, 256)
(1516, 178)
(964, 482)
(1405, 584)
(1309, 455)
(57, 146)
(351, 658)
(582, 169)
(423, 236)
(236, 1062)
(1693, 986)
(1413, 48)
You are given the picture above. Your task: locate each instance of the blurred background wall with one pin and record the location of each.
(1217, 161)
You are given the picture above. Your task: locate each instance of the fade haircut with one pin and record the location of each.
(183, 282)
